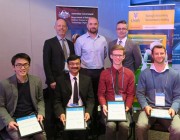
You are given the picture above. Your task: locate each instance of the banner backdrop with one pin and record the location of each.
(152, 23)
(76, 17)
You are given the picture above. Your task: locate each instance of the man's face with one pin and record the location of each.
(74, 66)
(121, 30)
(92, 25)
(61, 28)
(21, 67)
(159, 55)
(117, 57)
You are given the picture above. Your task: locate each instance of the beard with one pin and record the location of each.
(93, 30)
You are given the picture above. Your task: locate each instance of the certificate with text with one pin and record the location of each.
(28, 125)
(75, 118)
(116, 111)
(160, 113)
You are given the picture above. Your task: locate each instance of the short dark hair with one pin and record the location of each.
(158, 46)
(22, 56)
(73, 57)
(117, 47)
(122, 22)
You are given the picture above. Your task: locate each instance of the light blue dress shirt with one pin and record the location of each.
(92, 51)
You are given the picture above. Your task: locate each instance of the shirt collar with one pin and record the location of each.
(119, 70)
(97, 36)
(123, 40)
(59, 38)
(71, 76)
(152, 67)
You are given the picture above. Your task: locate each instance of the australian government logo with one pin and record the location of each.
(135, 17)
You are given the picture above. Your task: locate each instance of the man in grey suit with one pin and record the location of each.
(65, 95)
(133, 54)
(20, 95)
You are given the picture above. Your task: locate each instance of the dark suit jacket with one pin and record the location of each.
(133, 54)
(63, 93)
(53, 58)
(9, 97)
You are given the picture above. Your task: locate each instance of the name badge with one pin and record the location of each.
(159, 99)
(118, 98)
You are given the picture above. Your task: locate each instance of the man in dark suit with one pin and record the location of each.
(133, 54)
(20, 95)
(55, 53)
(64, 95)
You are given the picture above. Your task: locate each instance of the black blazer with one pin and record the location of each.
(53, 58)
(63, 93)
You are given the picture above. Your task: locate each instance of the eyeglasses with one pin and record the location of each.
(117, 55)
(25, 65)
(123, 29)
(73, 64)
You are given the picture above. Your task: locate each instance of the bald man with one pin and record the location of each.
(55, 53)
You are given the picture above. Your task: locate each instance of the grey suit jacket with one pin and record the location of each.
(63, 93)
(133, 55)
(9, 98)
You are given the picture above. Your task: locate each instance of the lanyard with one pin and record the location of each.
(113, 80)
(154, 82)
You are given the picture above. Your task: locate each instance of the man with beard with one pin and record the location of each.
(158, 87)
(92, 48)
(55, 53)
(67, 96)
(133, 54)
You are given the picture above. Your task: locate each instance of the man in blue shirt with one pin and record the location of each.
(158, 86)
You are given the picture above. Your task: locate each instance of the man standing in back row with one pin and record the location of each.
(133, 54)
(55, 53)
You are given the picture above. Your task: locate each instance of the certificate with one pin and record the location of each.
(116, 111)
(28, 125)
(75, 118)
(160, 113)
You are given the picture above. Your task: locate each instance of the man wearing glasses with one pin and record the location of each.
(116, 84)
(20, 95)
(133, 54)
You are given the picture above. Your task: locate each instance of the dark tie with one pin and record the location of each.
(120, 42)
(64, 49)
(75, 99)
(117, 83)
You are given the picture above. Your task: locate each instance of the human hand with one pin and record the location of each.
(127, 108)
(86, 117)
(12, 125)
(40, 118)
(171, 112)
(148, 109)
(63, 118)
(105, 110)
(53, 85)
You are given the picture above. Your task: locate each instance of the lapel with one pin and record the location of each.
(80, 84)
(32, 88)
(13, 82)
(58, 45)
(68, 83)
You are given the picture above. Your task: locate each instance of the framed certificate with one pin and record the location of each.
(116, 111)
(28, 125)
(75, 118)
(160, 113)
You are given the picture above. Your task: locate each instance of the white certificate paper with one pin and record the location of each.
(116, 111)
(160, 113)
(75, 118)
(28, 125)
